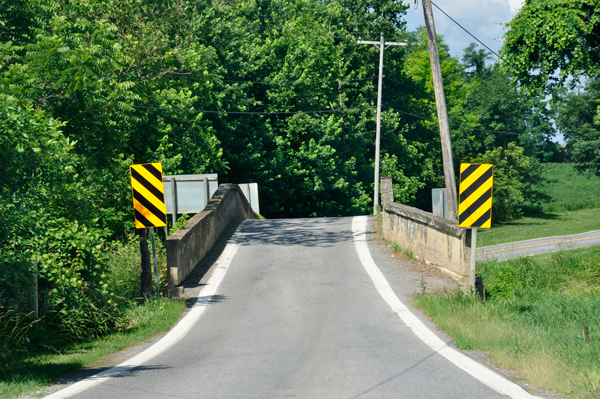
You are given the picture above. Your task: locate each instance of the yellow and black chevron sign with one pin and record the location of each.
(475, 198)
(148, 195)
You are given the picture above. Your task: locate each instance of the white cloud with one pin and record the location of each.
(515, 5)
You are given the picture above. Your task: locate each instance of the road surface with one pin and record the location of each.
(299, 310)
(538, 246)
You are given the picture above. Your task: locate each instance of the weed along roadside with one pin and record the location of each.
(35, 353)
(540, 318)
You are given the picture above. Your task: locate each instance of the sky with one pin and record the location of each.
(485, 19)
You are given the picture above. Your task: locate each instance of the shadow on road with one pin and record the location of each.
(316, 232)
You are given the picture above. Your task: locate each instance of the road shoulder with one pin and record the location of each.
(408, 277)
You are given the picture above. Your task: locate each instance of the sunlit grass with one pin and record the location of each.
(533, 318)
(575, 209)
(570, 190)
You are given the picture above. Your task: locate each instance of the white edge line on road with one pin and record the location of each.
(480, 372)
(172, 337)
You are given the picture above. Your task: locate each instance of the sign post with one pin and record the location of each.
(155, 266)
(475, 204)
(149, 203)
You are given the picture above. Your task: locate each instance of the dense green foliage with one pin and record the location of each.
(92, 86)
(517, 180)
(552, 47)
(549, 42)
(579, 122)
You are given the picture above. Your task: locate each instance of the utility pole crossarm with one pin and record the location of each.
(385, 43)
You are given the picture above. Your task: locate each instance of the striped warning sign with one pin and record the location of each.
(475, 198)
(148, 195)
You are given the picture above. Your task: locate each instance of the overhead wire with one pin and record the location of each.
(198, 111)
(452, 124)
(327, 111)
(346, 34)
(473, 36)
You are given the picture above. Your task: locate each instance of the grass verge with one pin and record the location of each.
(31, 369)
(534, 318)
(542, 225)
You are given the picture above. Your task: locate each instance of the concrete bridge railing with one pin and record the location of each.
(432, 239)
(188, 246)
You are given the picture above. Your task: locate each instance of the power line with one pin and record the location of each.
(327, 111)
(197, 111)
(294, 82)
(463, 28)
(453, 124)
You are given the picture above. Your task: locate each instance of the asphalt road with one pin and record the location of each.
(298, 316)
(538, 246)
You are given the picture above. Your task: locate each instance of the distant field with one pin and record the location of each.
(575, 209)
(571, 191)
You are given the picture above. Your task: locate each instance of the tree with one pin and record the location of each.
(549, 42)
(475, 60)
(504, 114)
(579, 122)
(549, 46)
(517, 181)
(44, 204)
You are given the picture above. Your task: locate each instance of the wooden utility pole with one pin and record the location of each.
(442, 110)
(381, 43)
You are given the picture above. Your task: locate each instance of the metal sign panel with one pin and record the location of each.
(189, 193)
(148, 195)
(475, 195)
(439, 203)
(250, 191)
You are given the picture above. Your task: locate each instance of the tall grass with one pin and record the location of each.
(570, 190)
(124, 277)
(34, 363)
(533, 319)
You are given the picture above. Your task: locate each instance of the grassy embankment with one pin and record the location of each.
(534, 317)
(575, 209)
(33, 355)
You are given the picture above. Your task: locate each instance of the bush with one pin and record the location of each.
(504, 279)
(517, 180)
(124, 268)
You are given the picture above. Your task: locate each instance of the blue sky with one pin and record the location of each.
(483, 18)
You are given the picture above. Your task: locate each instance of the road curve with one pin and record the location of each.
(296, 315)
(538, 246)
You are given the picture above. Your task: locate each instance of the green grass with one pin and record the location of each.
(546, 225)
(571, 191)
(533, 318)
(37, 365)
(406, 251)
(575, 209)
